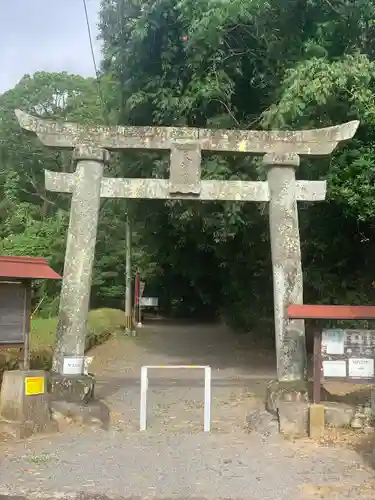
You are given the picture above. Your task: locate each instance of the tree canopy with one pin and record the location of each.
(241, 64)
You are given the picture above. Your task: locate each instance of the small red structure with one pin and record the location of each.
(26, 268)
(16, 276)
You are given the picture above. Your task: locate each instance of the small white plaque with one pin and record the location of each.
(361, 367)
(73, 365)
(149, 301)
(334, 368)
(333, 341)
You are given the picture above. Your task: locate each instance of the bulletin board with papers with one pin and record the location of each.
(348, 355)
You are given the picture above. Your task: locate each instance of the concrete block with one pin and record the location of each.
(24, 408)
(95, 414)
(338, 414)
(72, 388)
(279, 391)
(262, 422)
(293, 418)
(316, 421)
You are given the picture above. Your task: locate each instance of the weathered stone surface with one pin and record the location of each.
(185, 168)
(285, 391)
(298, 390)
(338, 414)
(209, 190)
(363, 417)
(94, 414)
(280, 392)
(294, 418)
(79, 255)
(286, 265)
(22, 415)
(262, 422)
(69, 135)
(72, 388)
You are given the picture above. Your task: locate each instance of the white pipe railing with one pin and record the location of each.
(207, 392)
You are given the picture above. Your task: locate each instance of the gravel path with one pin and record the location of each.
(174, 458)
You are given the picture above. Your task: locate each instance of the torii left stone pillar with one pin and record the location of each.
(79, 255)
(281, 151)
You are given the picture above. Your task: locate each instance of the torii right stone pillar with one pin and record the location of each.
(286, 264)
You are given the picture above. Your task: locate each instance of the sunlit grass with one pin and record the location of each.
(43, 330)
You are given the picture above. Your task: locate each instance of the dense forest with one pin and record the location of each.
(249, 64)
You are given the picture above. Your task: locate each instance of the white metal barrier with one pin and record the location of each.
(207, 392)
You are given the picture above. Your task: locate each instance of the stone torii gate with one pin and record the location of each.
(281, 150)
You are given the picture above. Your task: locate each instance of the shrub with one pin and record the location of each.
(102, 324)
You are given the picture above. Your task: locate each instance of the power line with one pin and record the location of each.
(100, 92)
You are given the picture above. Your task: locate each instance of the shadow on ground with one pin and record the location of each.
(207, 344)
(255, 384)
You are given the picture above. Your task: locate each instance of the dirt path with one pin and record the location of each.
(175, 397)
(174, 458)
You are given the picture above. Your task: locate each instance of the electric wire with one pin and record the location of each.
(97, 75)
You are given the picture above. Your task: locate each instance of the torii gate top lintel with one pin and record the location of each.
(65, 135)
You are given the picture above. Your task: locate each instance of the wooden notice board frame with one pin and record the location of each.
(337, 312)
(21, 271)
(24, 309)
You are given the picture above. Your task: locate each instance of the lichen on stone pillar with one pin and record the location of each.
(286, 264)
(80, 252)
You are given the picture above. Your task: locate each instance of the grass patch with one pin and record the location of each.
(43, 330)
(102, 323)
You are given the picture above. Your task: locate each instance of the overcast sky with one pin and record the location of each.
(45, 35)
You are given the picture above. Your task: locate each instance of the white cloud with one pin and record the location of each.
(45, 35)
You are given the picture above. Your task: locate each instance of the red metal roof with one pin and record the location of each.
(26, 267)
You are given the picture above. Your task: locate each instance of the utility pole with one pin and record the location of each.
(128, 280)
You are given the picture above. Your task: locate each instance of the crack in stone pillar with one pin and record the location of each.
(80, 253)
(286, 264)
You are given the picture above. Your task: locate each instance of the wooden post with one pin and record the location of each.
(27, 326)
(317, 365)
(316, 413)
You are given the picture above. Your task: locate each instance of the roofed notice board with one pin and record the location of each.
(348, 355)
(12, 313)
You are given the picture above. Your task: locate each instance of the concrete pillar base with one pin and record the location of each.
(95, 414)
(72, 388)
(24, 405)
(293, 418)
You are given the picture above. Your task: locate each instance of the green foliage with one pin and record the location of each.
(240, 64)
(102, 323)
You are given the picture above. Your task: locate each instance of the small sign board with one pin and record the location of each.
(142, 285)
(334, 368)
(73, 365)
(149, 301)
(361, 368)
(34, 386)
(348, 355)
(333, 341)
